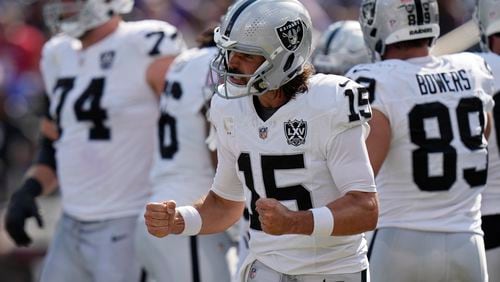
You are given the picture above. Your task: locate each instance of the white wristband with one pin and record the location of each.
(192, 220)
(323, 222)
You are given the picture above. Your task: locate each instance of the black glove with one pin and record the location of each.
(22, 205)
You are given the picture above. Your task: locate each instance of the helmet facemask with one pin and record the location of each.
(257, 84)
(76, 17)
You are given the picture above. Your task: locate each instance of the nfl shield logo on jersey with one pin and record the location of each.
(295, 132)
(291, 34)
(263, 132)
(107, 59)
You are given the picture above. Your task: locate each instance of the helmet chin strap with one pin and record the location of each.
(72, 29)
(235, 90)
(230, 90)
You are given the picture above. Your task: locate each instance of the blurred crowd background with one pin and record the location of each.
(22, 35)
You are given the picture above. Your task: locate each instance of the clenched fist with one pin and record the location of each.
(160, 218)
(274, 217)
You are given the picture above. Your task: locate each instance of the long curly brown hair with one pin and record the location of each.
(298, 84)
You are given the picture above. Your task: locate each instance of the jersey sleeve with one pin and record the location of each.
(52, 53)
(226, 182)
(48, 66)
(345, 149)
(482, 76)
(365, 76)
(487, 83)
(348, 161)
(158, 38)
(352, 108)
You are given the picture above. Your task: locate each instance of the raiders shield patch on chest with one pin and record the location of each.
(291, 34)
(295, 132)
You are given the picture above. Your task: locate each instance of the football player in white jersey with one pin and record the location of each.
(427, 146)
(101, 76)
(291, 146)
(340, 48)
(488, 17)
(183, 170)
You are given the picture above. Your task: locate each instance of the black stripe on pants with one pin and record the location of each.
(193, 242)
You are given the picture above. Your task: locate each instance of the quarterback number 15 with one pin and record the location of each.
(269, 164)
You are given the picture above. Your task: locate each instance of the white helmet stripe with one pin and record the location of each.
(330, 39)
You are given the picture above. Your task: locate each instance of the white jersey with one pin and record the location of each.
(436, 167)
(183, 169)
(106, 113)
(299, 157)
(491, 195)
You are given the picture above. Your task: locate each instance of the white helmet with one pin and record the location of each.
(390, 21)
(488, 17)
(76, 17)
(340, 47)
(278, 30)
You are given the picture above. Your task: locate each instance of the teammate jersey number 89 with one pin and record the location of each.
(428, 145)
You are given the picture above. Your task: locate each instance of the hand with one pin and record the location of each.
(22, 206)
(273, 216)
(160, 218)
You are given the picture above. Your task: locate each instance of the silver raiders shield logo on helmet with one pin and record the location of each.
(291, 34)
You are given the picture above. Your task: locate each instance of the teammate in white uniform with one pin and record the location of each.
(340, 47)
(488, 17)
(292, 147)
(183, 171)
(427, 146)
(101, 76)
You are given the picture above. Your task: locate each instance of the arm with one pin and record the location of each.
(162, 42)
(353, 213)
(379, 140)
(489, 122)
(155, 74)
(217, 214)
(44, 166)
(213, 214)
(40, 179)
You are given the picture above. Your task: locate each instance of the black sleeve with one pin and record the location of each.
(46, 153)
